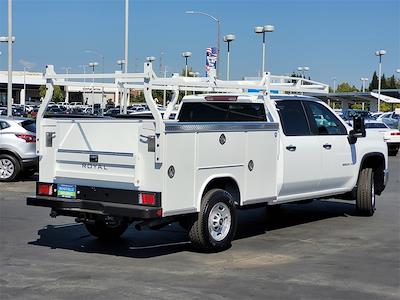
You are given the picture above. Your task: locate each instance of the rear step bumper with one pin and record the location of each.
(96, 207)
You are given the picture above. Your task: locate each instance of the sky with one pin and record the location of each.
(334, 38)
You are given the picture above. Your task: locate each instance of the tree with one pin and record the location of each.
(391, 82)
(374, 82)
(344, 87)
(383, 82)
(58, 95)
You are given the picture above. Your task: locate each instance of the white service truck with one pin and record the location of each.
(221, 153)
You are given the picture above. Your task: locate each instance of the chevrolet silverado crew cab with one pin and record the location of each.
(222, 152)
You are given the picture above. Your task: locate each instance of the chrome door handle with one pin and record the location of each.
(291, 148)
(327, 146)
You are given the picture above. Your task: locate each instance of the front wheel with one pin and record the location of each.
(213, 229)
(365, 202)
(107, 228)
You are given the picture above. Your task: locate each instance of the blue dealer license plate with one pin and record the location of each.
(66, 191)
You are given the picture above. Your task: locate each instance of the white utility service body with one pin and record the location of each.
(159, 171)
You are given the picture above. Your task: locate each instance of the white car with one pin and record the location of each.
(391, 136)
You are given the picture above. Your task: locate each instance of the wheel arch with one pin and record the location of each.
(225, 182)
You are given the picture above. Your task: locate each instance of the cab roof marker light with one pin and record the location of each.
(221, 98)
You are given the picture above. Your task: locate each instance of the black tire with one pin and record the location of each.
(365, 202)
(220, 204)
(7, 163)
(106, 231)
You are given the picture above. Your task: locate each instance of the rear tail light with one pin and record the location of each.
(147, 199)
(27, 137)
(395, 133)
(45, 189)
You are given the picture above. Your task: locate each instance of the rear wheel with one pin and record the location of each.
(9, 167)
(214, 227)
(365, 202)
(107, 228)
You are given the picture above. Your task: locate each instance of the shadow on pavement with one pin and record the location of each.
(172, 238)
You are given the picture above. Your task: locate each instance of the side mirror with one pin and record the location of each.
(358, 130)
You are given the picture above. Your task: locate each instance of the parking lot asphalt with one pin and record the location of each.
(321, 250)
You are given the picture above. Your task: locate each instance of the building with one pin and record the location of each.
(26, 86)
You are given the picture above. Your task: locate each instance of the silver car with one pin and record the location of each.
(17, 147)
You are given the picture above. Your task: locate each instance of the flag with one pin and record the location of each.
(211, 59)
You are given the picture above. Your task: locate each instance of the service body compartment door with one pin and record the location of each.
(260, 167)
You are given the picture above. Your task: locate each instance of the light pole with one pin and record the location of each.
(186, 55)
(121, 62)
(334, 84)
(84, 81)
(228, 39)
(102, 70)
(150, 59)
(66, 69)
(9, 39)
(218, 33)
(364, 80)
(380, 53)
(93, 65)
(303, 70)
(263, 30)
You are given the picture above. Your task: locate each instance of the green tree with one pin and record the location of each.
(344, 87)
(383, 82)
(391, 82)
(374, 82)
(58, 94)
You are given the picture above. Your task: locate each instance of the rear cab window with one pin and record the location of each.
(222, 112)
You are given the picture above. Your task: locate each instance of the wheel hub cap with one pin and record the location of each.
(6, 168)
(219, 221)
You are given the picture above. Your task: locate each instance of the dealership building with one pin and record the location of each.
(26, 87)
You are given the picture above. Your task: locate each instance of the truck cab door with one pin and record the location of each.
(337, 154)
(302, 159)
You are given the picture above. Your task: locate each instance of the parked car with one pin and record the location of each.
(17, 147)
(391, 119)
(391, 136)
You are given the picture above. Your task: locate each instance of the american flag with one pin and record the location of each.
(211, 59)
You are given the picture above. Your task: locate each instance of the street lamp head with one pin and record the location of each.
(380, 52)
(259, 29)
(93, 64)
(120, 61)
(299, 68)
(268, 28)
(398, 70)
(229, 38)
(306, 68)
(364, 79)
(189, 12)
(150, 58)
(187, 54)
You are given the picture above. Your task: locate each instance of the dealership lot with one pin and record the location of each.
(320, 250)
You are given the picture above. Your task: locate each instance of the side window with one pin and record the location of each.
(293, 118)
(4, 125)
(323, 121)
